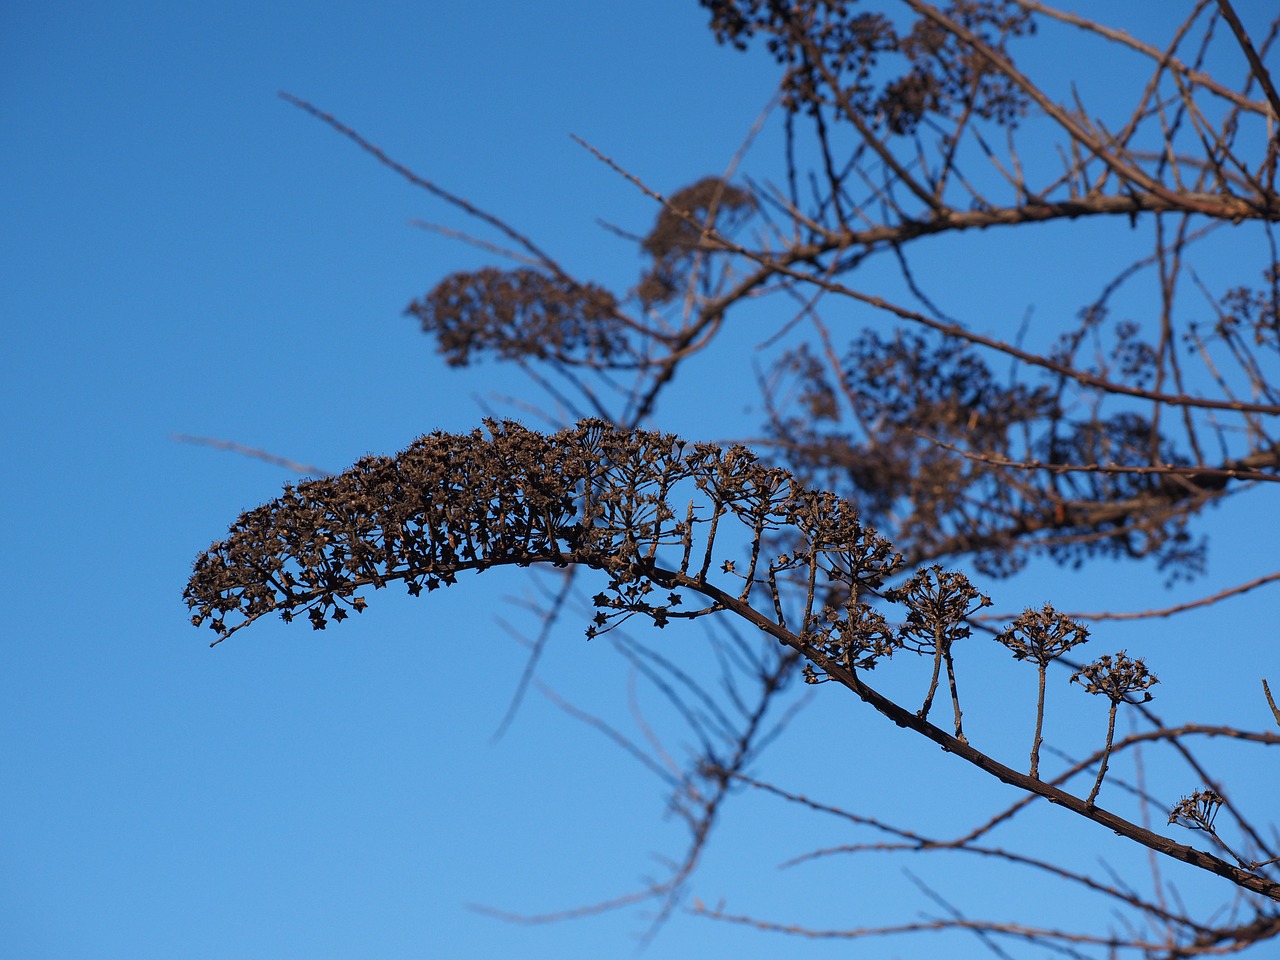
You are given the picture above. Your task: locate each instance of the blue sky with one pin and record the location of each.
(186, 253)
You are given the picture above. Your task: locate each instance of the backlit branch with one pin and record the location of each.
(646, 510)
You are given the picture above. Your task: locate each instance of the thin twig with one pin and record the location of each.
(303, 469)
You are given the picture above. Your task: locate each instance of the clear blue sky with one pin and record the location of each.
(185, 253)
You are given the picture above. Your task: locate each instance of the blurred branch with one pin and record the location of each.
(302, 469)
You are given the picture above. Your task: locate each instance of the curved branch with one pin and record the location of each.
(604, 498)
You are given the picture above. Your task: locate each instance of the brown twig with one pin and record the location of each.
(304, 469)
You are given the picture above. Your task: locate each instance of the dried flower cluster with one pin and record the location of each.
(1042, 635)
(592, 495)
(917, 400)
(649, 510)
(1116, 678)
(939, 605)
(855, 636)
(822, 46)
(711, 206)
(521, 313)
(1198, 811)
